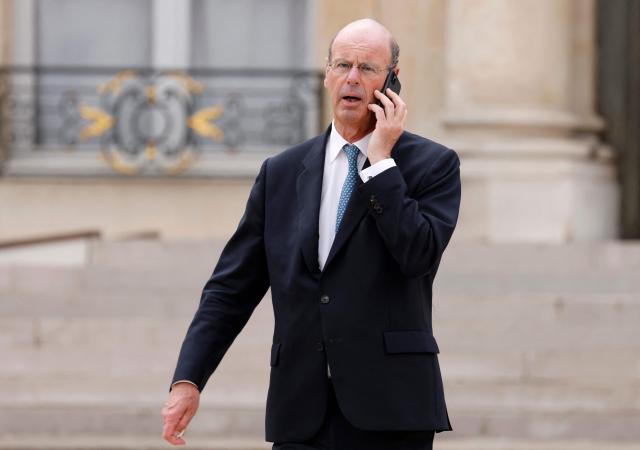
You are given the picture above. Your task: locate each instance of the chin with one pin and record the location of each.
(351, 116)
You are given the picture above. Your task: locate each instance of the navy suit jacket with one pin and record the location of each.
(368, 313)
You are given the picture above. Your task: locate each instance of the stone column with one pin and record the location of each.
(23, 81)
(5, 59)
(519, 109)
(171, 34)
(5, 31)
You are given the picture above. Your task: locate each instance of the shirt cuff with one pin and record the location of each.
(376, 169)
(184, 381)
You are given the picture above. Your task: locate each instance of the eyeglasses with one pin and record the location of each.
(342, 67)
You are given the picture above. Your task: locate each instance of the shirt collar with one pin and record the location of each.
(336, 142)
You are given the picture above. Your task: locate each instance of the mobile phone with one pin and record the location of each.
(392, 82)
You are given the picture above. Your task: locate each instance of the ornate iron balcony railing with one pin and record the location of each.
(147, 121)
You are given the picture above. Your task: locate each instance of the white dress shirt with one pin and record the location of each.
(336, 167)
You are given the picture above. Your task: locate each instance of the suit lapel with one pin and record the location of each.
(309, 191)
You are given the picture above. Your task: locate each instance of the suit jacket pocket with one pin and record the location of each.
(410, 341)
(275, 354)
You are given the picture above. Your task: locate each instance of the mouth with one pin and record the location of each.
(351, 99)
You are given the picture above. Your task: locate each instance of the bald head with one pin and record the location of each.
(367, 29)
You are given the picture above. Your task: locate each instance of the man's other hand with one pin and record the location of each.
(178, 411)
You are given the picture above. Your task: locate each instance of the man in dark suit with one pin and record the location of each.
(348, 230)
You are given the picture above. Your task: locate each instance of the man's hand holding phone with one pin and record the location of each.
(389, 126)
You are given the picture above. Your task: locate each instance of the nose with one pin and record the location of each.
(353, 77)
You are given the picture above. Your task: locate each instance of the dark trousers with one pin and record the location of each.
(337, 433)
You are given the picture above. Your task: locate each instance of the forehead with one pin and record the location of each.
(362, 45)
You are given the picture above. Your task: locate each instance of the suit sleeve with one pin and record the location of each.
(238, 283)
(417, 228)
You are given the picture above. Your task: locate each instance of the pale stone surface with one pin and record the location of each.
(171, 34)
(494, 60)
(537, 342)
(474, 72)
(176, 208)
(44, 280)
(558, 260)
(6, 11)
(5, 280)
(68, 253)
(111, 442)
(526, 178)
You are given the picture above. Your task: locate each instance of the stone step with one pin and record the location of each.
(535, 323)
(442, 442)
(537, 342)
(463, 256)
(230, 422)
(480, 270)
(585, 368)
(543, 258)
(499, 342)
(155, 254)
(151, 302)
(239, 421)
(114, 346)
(505, 283)
(116, 302)
(620, 427)
(528, 326)
(479, 282)
(67, 280)
(117, 441)
(595, 370)
(231, 388)
(577, 258)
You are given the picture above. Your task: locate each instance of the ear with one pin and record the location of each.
(326, 73)
(396, 70)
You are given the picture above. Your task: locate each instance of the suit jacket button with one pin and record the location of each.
(324, 299)
(378, 209)
(319, 346)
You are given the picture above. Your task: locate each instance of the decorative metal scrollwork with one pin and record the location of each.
(143, 122)
(140, 121)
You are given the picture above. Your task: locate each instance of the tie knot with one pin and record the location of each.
(352, 153)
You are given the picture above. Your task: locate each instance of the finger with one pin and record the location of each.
(170, 434)
(386, 101)
(394, 97)
(388, 105)
(400, 105)
(184, 421)
(171, 418)
(378, 111)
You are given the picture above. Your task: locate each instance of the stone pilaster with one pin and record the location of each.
(5, 60)
(5, 31)
(171, 34)
(23, 82)
(519, 110)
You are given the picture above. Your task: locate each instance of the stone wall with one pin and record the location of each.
(508, 85)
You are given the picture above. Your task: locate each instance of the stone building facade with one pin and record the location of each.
(510, 85)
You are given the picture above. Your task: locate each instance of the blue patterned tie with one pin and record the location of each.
(349, 182)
